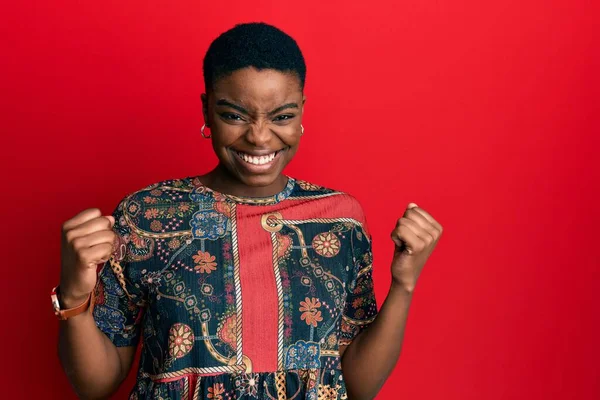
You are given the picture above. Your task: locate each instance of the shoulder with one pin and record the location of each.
(342, 202)
(141, 216)
(155, 193)
(144, 210)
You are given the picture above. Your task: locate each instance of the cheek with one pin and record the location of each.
(288, 134)
(225, 135)
(293, 141)
(220, 145)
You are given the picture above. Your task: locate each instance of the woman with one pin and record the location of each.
(243, 282)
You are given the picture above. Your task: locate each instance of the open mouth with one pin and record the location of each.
(258, 160)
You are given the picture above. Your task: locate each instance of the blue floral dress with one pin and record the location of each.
(237, 298)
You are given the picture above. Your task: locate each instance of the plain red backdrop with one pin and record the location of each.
(483, 113)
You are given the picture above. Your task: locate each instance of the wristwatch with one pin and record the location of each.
(71, 312)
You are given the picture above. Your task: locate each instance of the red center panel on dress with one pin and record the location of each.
(259, 294)
(257, 277)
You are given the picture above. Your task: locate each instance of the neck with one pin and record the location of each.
(222, 181)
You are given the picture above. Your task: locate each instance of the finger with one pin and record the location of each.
(81, 218)
(423, 223)
(406, 239)
(92, 256)
(93, 239)
(97, 224)
(422, 232)
(426, 215)
(413, 215)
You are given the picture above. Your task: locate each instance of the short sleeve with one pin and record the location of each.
(119, 301)
(360, 308)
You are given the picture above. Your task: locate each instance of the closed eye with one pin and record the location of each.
(231, 117)
(283, 117)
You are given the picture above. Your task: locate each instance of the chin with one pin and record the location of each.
(259, 180)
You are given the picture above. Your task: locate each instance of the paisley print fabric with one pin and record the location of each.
(237, 298)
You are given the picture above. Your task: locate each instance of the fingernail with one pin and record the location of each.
(412, 205)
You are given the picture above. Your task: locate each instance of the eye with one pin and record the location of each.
(231, 117)
(283, 117)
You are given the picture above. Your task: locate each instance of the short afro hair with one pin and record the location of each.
(257, 45)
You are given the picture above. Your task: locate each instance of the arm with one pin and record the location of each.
(379, 345)
(93, 364)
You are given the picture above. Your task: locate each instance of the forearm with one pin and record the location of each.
(377, 347)
(89, 358)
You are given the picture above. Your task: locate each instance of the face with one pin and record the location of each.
(254, 119)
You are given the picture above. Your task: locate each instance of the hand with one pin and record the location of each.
(87, 240)
(416, 235)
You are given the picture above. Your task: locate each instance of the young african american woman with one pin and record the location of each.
(242, 283)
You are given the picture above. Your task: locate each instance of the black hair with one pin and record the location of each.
(257, 45)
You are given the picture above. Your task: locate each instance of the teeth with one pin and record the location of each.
(257, 160)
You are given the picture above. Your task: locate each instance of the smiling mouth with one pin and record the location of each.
(258, 160)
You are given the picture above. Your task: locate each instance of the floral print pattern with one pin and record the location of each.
(303, 355)
(247, 385)
(181, 340)
(204, 262)
(326, 244)
(231, 308)
(228, 331)
(310, 313)
(309, 186)
(216, 391)
(208, 224)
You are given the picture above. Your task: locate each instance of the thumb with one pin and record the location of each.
(410, 206)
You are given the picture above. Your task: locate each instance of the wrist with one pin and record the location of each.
(71, 303)
(68, 300)
(402, 287)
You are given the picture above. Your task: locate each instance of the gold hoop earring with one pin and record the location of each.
(203, 134)
(301, 130)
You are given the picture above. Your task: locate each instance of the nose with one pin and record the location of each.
(259, 134)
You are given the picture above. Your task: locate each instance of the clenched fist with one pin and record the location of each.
(87, 240)
(416, 235)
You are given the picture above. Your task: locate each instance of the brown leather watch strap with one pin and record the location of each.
(71, 312)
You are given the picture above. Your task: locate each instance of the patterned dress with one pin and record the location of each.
(237, 298)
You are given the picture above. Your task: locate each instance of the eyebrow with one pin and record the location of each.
(223, 102)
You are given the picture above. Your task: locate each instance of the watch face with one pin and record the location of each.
(55, 302)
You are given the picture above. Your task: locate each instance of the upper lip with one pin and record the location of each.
(257, 153)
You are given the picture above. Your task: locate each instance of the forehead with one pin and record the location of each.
(258, 88)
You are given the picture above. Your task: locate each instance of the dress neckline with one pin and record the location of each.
(269, 200)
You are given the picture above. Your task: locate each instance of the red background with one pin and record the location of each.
(483, 113)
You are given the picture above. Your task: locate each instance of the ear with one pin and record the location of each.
(303, 101)
(204, 99)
